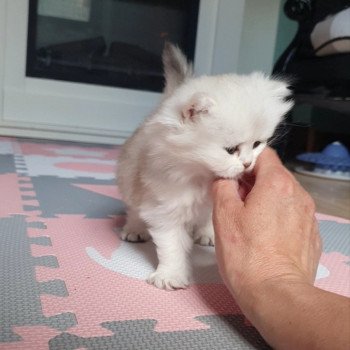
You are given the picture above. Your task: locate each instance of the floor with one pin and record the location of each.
(332, 197)
(68, 282)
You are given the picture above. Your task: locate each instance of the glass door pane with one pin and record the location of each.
(107, 42)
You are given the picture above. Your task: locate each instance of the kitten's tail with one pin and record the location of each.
(176, 67)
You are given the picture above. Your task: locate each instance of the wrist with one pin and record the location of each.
(293, 314)
(275, 307)
(259, 279)
(260, 301)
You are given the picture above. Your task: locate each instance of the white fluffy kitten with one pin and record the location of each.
(204, 128)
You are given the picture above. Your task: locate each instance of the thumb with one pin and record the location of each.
(226, 197)
(226, 206)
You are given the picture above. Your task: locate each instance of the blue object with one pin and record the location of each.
(334, 157)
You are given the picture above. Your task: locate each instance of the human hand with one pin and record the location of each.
(267, 235)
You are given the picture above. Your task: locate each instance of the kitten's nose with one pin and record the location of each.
(247, 165)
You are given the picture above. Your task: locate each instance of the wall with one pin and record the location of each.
(257, 49)
(286, 31)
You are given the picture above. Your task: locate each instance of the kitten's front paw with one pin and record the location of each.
(168, 280)
(134, 237)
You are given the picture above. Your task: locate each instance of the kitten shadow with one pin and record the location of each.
(146, 251)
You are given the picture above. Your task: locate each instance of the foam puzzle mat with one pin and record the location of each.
(68, 282)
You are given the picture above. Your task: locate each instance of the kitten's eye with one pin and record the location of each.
(231, 150)
(256, 144)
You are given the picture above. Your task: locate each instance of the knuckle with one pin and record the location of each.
(283, 182)
(309, 203)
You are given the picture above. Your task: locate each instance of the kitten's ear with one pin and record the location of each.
(200, 104)
(176, 67)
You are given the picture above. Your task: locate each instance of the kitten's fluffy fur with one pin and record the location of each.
(204, 128)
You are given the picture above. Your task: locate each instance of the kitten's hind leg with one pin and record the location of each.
(203, 234)
(135, 229)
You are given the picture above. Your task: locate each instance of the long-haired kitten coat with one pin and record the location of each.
(204, 128)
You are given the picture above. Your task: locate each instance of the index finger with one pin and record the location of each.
(267, 159)
(271, 178)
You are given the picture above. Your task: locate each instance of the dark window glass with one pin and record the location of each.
(107, 42)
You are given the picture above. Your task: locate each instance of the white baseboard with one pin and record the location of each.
(65, 134)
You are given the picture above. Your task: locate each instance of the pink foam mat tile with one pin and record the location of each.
(338, 219)
(67, 149)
